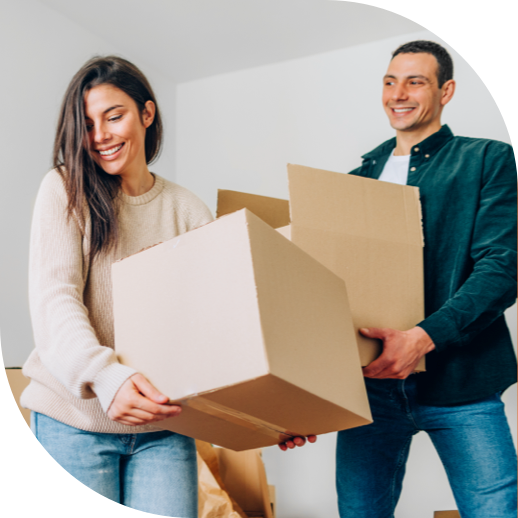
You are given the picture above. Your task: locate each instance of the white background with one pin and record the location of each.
(301, 111)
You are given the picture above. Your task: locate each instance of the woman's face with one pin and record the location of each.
(116, 130)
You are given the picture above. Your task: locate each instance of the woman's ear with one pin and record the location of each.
(148, 113)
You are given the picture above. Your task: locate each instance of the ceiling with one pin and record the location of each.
(191, 39)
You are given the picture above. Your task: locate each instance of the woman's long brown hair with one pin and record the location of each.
(84, 180)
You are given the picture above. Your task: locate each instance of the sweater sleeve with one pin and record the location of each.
(65, 339)
(491, 287)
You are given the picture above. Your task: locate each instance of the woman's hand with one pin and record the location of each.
(296, 441)
(137, 403)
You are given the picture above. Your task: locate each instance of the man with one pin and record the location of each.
(468, 196)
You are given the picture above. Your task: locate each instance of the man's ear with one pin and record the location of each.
(448, 89)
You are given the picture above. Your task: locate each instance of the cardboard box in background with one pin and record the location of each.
(230, 482)
(18, 382)
(367, 232)
(446, 514)
(251, 335)
(245, 480)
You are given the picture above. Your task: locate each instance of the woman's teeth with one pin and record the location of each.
(110, 151)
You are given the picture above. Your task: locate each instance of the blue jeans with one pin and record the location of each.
(154, 472)
(473, 441)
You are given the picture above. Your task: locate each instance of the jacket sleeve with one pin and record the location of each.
(65, 339)
(491, 287)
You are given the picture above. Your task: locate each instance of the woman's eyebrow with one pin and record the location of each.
(113, 108)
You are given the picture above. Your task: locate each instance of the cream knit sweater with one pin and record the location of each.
(73, 370)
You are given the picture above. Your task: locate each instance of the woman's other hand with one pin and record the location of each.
(296, 441)
(138, 403)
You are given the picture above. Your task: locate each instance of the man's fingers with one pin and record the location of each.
(374, 332)
(299, 441)
(283, 447)
(312, 438)
(377, 366)
(148, 390)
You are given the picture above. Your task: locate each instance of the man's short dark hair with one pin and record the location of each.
(444, 61)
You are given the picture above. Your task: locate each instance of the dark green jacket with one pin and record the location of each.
(468, 195)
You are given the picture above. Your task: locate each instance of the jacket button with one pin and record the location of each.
(427, 156)
(416, 149)
(412, 169)
(373, 162)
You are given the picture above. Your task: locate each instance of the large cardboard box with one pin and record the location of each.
(367, 232)
(251, 335)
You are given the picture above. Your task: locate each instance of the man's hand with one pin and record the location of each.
(296, 441)
(137, 403)
(402, 351)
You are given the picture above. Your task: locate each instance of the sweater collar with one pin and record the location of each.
(157, 188)
(429, 145)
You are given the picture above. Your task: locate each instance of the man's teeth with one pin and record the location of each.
(401, 110)
(110, 151)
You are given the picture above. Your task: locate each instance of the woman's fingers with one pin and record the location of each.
(131, 402)
(146, 405)
(148, 390)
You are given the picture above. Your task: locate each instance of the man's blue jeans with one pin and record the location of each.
(154, 472)
(473, 441)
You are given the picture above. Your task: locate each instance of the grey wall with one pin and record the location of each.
(41, 51)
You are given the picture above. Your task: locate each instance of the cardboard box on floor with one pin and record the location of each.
(367, 232)
(245, 480)
(233, 484)
(250, 334)
(18, 382)
(446, 514)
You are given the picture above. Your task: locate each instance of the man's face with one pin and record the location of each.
(411, 95)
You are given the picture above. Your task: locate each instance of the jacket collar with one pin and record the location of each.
(429, 145)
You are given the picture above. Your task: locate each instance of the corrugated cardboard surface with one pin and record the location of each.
(446, 514)
(18, 382)
(367, 232)
(274, 211)
(249, 333)
(244, 477)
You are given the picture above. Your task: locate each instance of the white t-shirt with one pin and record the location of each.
(396, 169)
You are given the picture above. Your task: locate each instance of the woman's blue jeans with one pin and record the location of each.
(154, 472)
(473, 441)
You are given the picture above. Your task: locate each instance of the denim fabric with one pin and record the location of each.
(473, 441)
(154, 472)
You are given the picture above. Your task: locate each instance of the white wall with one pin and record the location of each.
(41, 51)
(237, 131)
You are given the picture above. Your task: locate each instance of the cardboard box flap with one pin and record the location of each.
(274, 211)
(332, 201)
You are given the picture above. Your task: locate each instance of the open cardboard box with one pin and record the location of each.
(250, 334)
(244, 476)
(367, 232)
(233, 484)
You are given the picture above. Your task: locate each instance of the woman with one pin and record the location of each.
(100, 203)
